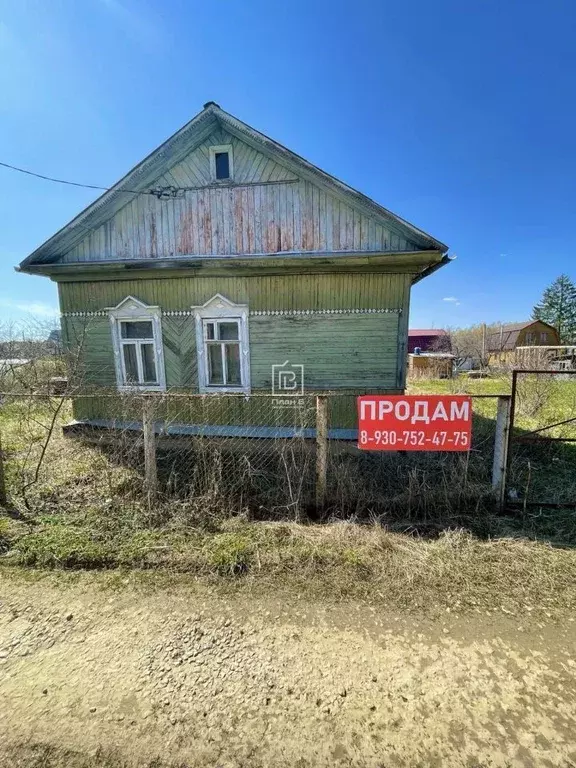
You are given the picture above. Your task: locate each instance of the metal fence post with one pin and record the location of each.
(150, 468)
(321, 448)
(501, 443)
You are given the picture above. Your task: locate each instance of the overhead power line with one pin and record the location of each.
(159, 192)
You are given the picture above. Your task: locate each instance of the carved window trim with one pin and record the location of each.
(134, 310)
(221, 308)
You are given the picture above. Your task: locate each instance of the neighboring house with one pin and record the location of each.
(223, 254)
(502, 344)
(428, 340)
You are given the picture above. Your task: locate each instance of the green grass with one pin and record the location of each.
(540, 400)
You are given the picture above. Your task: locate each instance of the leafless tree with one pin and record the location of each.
(469, 344)
(40, 373)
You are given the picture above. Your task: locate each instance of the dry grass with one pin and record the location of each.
(337, 561)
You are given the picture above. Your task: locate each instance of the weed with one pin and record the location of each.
(4, 534)
(60, 546)
(230, 553)
(87, 509)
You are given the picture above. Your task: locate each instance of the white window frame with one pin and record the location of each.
(213, 152)
(134, 310)
(221, 308)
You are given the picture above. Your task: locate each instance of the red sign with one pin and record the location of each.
(414, 422)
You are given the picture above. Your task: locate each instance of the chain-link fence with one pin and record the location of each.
(542, 456)
(267, 457)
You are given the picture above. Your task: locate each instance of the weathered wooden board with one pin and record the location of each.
(180, 358)
(250, 166)
(266, 209)
(233, 411)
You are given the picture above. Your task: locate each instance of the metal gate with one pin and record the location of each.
(541, 457)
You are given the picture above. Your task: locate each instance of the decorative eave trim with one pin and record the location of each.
(260, 312)
(98, 313)
(289, 312)
(177, 313)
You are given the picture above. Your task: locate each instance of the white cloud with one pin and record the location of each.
(37, 308)
(452, 300)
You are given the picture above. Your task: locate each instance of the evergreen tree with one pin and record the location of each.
(558, 308)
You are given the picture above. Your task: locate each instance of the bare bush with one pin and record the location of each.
(534, 392)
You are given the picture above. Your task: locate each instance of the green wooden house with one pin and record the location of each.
(224, 260)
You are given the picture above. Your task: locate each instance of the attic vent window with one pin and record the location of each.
(221, 166)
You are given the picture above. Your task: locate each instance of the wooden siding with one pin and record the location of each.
(93, 338)
(320, 291)
(402, 341)
(225, 410)
(337, 352)
(342, 352)
(266, 209)
(537, 328)
(180, 358)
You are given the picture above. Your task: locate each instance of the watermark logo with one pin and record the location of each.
(287, 379)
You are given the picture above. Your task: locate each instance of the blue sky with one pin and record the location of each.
(458, 115)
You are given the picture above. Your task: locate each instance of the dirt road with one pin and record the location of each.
(241, 681)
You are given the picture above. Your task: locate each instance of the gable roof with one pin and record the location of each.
(141, 178)
(427, 332)
(506, 339)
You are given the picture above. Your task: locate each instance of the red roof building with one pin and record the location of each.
(429, 340)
